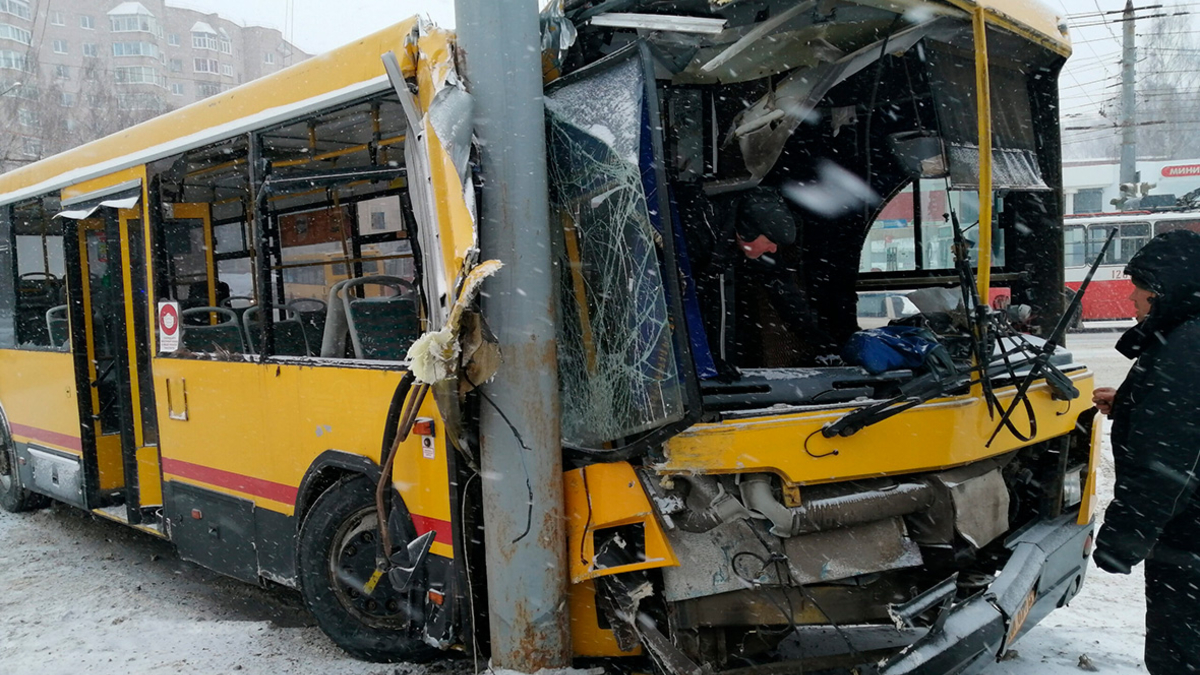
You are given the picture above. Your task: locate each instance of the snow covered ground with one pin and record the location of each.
(1106, 621)
(82, 595)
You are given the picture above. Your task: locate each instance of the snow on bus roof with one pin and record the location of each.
(130, 8)
(339, 76)
(1128, 216)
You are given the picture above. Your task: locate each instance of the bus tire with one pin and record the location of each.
(336, 559)
(13, 497)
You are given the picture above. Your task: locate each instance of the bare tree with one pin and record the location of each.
(1168, 92)
(1168, 97)
(51, 119)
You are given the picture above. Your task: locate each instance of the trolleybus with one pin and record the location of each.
(1083, 235)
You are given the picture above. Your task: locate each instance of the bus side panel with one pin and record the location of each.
(250, 432)
(1106, 298)
(38, 394)
(314, 409)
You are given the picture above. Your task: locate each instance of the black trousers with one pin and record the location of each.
(1172, 617)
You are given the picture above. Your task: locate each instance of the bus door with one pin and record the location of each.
(113, 297)
(141, 423)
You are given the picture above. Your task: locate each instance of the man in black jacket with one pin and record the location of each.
(1155, 512)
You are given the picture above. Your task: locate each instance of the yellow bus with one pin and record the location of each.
(752, 502)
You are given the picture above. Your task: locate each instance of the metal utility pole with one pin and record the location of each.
(525, 537)
(1128, 99)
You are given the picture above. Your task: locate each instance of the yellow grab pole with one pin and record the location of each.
(983, 99)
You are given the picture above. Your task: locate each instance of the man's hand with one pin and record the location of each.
(1103, 399)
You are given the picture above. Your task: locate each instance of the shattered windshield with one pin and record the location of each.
(617, 363)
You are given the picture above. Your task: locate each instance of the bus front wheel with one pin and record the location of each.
(356, 606)
(13, 497)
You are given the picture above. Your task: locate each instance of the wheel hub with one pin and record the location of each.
(360, 586)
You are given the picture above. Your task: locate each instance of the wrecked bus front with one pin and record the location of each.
(753, 485)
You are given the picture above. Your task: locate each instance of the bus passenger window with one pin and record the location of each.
(40, 309)
(1073, 246)
(336, 266)
(1130, 238)
(1172, 225)
(202, 256)
(361, 273)
(345, 268)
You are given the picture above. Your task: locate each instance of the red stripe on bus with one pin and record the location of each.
(46, 436)
(250, 485)
(440, 528)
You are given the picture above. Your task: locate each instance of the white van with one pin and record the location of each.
(880, 308)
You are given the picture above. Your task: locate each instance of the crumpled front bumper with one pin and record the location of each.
(1046, 570)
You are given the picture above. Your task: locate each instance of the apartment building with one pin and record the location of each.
(72, 71)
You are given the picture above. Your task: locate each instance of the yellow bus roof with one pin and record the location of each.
(344, 74)
(1030, 19)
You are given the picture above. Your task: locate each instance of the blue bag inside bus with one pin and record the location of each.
(891, 348)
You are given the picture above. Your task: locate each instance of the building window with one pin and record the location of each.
(205, 89)
(62, 72)
(13, 60)
(19, 8)
(134, 23)
(173, 39)
(135, 49)
(33, 147)
(91, 50)
(66, 99)
(66, 124)
(226, 46)
(226, 70)
(204, 40)
(21, 35)
(269, 57)
(60, 46)
(138, 75)
(1089, 201)
(27, 117)
(206, 65)
(57, 18)
(87, 22)
(176, 65)
(176, 89)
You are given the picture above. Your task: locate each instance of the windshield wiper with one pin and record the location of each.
(931, 385)
(912, 393)
(935, 383)
(1058, 381)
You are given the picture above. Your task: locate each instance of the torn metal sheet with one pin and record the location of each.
(730, 558)
(420, 185)
(757, 33)
(798, 95)
(660, 22)
(434, 356)
(852, 551)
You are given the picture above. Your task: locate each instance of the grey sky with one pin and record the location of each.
(320, 25)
